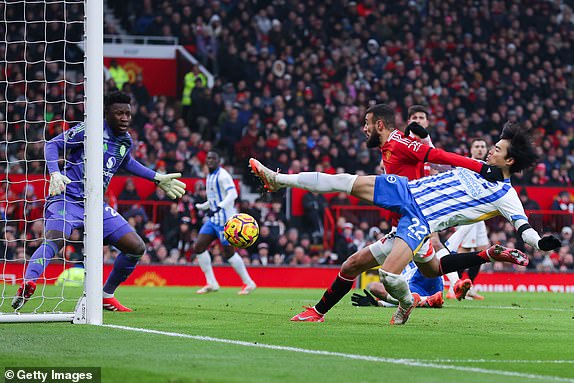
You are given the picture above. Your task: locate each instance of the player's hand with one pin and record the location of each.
(549, 242)
(202, 206)
(172, 187)
(491, 173)
(417, 129)
(364, 300)
(58, 183)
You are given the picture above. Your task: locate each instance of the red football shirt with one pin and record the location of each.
(406, 157)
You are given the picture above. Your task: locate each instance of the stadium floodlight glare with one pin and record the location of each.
(51, 78)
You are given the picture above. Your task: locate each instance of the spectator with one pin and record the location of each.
(129, 192)
(314, 206)
(565, 204)
(119, 74)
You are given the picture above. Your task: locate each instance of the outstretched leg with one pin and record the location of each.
(362, 187)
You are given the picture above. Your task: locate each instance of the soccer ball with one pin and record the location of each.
(241, 230)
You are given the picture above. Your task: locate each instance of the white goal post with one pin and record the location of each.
(17, 35)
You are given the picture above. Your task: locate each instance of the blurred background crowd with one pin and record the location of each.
(292, 82)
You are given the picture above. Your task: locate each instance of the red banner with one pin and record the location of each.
(528, 282)
(159, 74)
(183, 275)
(295, 277)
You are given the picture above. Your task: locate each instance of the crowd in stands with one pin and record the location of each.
(292, 82)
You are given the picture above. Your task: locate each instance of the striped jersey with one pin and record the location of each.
(218, 184)
(460, 196)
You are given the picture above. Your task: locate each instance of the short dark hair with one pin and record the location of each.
(476, 139)
(216, 152)
(521, 147)
(383, 112)
(116, 98)
(417, 108)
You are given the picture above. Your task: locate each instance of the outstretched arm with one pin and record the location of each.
(137, 169)
(416, 151)
(168, 182)
(439, 156)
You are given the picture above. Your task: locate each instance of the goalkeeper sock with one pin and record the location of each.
(340, 287)
(123, 267)
(40, 260)
(239, 266)
(318, 182)
(204, 261)
(455, 262)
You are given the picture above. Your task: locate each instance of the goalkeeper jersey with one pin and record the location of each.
(117, 150)
(218, 184)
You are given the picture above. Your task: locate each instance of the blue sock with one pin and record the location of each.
(123, 267)
(39, 261)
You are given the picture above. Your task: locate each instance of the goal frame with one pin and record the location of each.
(89, 306)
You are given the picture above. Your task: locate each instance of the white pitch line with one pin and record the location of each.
(540, 361)
(516, 308)
(404, 362)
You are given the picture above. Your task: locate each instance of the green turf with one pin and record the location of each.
(529, 334)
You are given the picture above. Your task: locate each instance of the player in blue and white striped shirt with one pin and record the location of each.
(426, 205)
(220, 204)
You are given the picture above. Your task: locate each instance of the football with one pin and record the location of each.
(241, 230)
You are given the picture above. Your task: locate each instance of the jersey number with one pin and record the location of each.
(111, 211)
(416, 230)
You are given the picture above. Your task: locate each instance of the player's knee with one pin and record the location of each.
(353, 266)
(138, 249)
(198, 248)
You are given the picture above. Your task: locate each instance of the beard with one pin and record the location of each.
(374, 140)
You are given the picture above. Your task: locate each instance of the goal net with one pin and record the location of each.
(42, 91)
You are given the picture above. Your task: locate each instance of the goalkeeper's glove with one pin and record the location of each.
(172, 187)
(417, 129)
(491, 173)
(364, 300)
(58, 183)
(549, 242)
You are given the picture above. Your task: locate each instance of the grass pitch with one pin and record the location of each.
(177, 336)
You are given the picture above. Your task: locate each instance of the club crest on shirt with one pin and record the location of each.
(123, 150)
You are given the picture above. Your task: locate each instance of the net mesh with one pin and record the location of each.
(41, 95)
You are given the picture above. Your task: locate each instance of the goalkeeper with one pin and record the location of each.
(64, 209)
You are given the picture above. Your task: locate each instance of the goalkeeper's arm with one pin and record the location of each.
(173, 187)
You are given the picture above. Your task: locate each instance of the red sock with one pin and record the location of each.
(340, 287)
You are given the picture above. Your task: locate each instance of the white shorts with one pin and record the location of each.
(382, 248)
(475, 236)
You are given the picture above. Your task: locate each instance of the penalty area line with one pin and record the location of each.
(404, 362)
